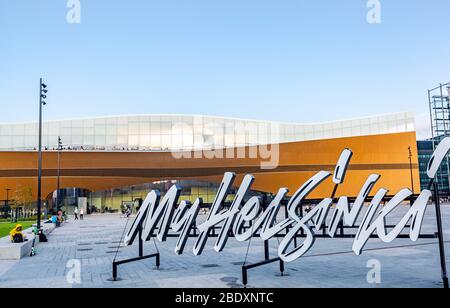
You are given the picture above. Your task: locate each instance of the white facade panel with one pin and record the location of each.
(175, 133)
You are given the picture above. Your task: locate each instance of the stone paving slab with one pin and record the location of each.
(330, 263)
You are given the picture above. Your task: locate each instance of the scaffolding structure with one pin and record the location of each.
(440, 128)
(441, 115)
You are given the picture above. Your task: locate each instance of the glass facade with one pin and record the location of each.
(176, 133)
(425, 149)
(440, 121)
(116, 199)
(68, 199)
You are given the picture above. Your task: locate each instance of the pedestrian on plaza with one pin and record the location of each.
(81, 214)
(75, 212)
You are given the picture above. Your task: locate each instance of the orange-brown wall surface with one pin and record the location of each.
(386, 155)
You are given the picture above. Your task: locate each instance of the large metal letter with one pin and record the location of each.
(437, 158)
(343, 211)
(341, 167)
(230, 215)
(152, 198)
(183, 220)
(214, 216)
(160, 215)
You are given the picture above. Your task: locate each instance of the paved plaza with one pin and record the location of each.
(330, 263)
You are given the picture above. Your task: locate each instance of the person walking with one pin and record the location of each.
(75, 212)
(81, 214)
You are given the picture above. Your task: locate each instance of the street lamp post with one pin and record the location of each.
(411, 169)
(410, 155)
(42, 96)
(58, 173)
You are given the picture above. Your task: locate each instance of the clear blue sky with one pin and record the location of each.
(285, 60)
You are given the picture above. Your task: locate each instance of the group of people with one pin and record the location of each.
(57, 218)
(75, 212)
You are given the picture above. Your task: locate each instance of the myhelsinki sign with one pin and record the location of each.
(244, 220)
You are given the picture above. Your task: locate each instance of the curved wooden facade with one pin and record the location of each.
(386, 155)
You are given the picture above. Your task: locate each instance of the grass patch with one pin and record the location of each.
(22, 219)
(5, 227)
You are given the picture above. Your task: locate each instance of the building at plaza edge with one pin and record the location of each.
(115, 160)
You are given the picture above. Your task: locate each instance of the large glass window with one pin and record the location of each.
(77, 140)
(187, 133)
(111, 129)
(88, 140)
(145, 141)
(100, 140)
(100, 129)
(18, 142)
(5, 142)
(133, 140)
(122, 130)
(155, 142)
(122, 141)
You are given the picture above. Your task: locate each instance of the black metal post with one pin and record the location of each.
(141, 242)
(115, 264)
(411, 169)
(39, 188)
(58, 185)
(244, 276)
(158, 261)
(245, 268)
(441, 237)
(267, 260)
(266, 250)
(114, 271)
(156, 255)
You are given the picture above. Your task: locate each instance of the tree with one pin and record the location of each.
(23, 196)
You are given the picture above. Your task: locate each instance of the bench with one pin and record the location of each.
(16, 251)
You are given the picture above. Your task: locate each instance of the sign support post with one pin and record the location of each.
(141, 256)
(440, 235)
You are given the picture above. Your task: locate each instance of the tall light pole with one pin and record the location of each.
(411, 169)
(42, 95)
(59, 173)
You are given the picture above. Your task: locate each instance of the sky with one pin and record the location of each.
(281, 60)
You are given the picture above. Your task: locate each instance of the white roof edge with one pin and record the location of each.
(406, 113)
